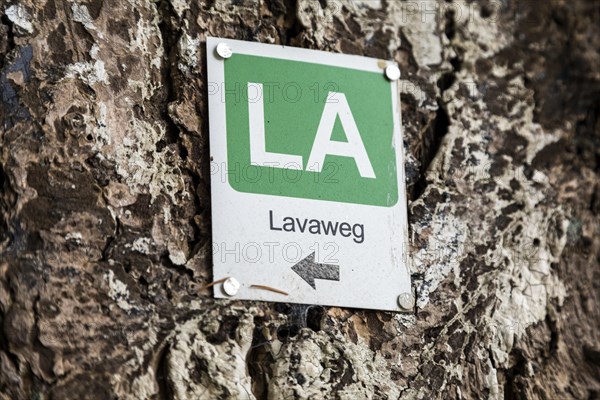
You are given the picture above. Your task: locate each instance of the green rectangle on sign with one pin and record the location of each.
(312, 131)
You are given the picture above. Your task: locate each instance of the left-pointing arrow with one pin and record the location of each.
(309, 270)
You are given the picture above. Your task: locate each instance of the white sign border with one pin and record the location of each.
(377, 291)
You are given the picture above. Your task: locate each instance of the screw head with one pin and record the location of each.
(231, 286)
(392, 72)
(406, 301)
(223, 50)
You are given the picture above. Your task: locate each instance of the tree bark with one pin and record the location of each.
(105, 245)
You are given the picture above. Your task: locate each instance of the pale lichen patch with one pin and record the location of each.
(81, 14)
(188, 50)
(143, 168)
(18, 15)
(90, 73)
(142, 245)
(118, 291)
(420, 25)
(315, 356)
(221, 367)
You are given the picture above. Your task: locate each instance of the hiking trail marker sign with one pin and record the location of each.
(307, 177)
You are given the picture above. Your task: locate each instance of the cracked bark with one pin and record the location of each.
(105, 212)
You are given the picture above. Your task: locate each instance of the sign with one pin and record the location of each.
(307, 177)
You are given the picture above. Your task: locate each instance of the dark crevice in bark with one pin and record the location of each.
(285, 332)
(210, 4)
(198, 239)
(292, 23)
(450, 26)
(512, 386)
(3, 210)
(258, 361)
(592, 355)
(587, 135)
(446, 81)
(298, 314)
(9, 38)
(406, 47)
(554, 336)
(166, 261)
(108, 246)
(170, 35)
(314, 317)
(431, 146)
(12, 236)
(162, 373)
(201, 179)
(11, 357)
(433, 136)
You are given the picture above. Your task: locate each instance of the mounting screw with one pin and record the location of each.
(223, 50)
(406, 301)
(231, 286)
(392, 72)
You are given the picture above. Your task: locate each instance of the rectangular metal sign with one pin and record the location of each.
(308, 187)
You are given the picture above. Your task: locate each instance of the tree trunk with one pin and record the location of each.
(105, 205)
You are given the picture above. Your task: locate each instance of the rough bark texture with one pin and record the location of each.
(105, 209)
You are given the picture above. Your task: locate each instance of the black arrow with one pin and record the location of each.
(309, 270)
